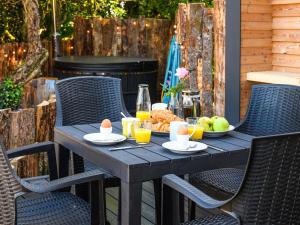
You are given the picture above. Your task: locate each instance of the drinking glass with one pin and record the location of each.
(143, 103)
(194, 129)
(142, 131)
(128, 127)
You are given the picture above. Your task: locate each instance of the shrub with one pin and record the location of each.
(10, 94)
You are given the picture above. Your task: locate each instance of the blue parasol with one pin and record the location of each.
(171, 80)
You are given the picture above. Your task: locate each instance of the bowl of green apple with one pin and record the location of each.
(215, 126)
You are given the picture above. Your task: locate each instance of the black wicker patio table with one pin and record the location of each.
(134, 166)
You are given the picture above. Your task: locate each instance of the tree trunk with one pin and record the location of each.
(36, 55)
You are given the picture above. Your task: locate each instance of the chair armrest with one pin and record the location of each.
(63, 182)
(191, 192)
(30, 149)
(47, 147)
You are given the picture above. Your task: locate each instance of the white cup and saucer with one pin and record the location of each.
(180, 143)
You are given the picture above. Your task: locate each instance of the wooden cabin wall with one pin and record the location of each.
(256, 43)
(286, 35)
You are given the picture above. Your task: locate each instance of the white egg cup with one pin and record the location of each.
(183, 141)
(105, 131)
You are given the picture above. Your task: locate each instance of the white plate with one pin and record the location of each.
(173, 147)
(104, 139)
(218, 133)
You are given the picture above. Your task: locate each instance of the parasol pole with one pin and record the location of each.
(56, 35)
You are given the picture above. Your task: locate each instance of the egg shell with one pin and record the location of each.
(106, 123)
(182, 130)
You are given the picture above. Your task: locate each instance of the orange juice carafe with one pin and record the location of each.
(143, 103)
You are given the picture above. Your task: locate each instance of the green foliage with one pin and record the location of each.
(11, 21)
(164, 9)
(12, 15)
(10, 94)
(68, 9)
(174, 90)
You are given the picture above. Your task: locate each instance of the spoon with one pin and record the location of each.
(123, 115)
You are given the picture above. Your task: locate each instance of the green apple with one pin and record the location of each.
(220, 124)
(206, 123)
(213, 119)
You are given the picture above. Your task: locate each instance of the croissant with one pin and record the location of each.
(161, 120)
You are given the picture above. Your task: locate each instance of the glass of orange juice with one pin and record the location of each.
(143, 115)
(142, 131)
(194, 129)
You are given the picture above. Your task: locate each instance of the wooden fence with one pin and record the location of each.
(142, 37)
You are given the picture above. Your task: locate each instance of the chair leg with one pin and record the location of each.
(181, 208)
(119, 207)
(192, 210)
(157, 194)
(170, 206)
(97, 201)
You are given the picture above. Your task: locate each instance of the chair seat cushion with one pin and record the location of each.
(225, 179)
(220, 219)
(60, 208)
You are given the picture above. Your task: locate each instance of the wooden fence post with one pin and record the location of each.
(219, 35)
(205, 77)
(194, 27)
(5, 125)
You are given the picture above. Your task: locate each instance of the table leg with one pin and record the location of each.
(131, 194)
(157, 194)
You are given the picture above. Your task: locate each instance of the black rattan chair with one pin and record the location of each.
(273, 109)
(269, 193)
(83, 100)
(34, 201)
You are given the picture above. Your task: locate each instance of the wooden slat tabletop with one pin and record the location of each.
(153, 162)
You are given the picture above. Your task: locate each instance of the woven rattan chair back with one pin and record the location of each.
(9, 187)
(273, 109)
(270, 193)
(82, 100)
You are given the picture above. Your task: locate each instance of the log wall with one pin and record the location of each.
(256, 43)
(34, 123)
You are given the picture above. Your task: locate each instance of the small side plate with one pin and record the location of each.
(173, 147)
(102, 139)
(215, 134)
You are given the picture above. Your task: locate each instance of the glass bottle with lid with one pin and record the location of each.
(143, 102)
(191, 103)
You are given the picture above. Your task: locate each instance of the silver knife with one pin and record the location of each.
(128, 147)
(215, 148)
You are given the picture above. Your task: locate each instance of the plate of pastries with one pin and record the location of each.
(161, 120)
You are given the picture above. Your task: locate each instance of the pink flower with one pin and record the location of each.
(182, 73)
